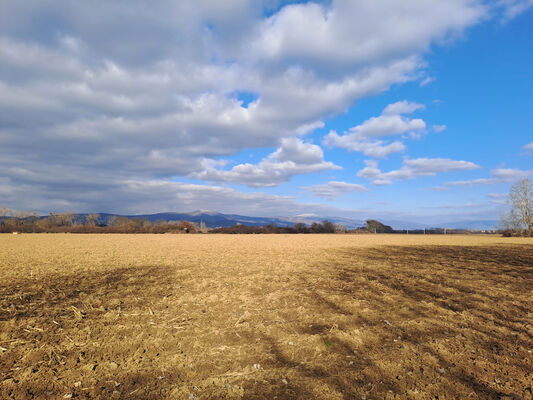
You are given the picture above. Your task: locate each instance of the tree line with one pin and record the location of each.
(31, 222)
(316, 227)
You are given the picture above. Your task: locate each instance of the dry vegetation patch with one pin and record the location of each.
(254, 317)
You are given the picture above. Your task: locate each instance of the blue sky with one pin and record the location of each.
(417, 111)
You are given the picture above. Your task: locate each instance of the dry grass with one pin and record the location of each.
(257, 316)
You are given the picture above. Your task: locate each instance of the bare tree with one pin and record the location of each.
(112, 221)
(120, 223)
(520, 214)
(57, 220)
(6, 212)
(340, 228)
(146, 225)
(22, 215)
(92, 219)
(508, 222)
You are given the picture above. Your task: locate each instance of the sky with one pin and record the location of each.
(418, 110)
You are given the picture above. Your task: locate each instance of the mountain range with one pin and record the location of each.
(214, 219)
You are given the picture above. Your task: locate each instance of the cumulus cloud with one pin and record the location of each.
(322, 35)
(529, 148)
(372, 148)
(403, 107)
(98, 93)
(291, 158)
(413, 168)
(334, 189)
(392, 122)
(373, 173)
(387, 125)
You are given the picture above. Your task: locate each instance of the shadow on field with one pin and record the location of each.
(416, 322)
(99, 292)
(72, 334)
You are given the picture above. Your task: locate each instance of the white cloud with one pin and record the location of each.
(373, 173)
(291, 158)
(513, 8)
(403, 107)
(323, 36)
(497, 195)
(426, 81)
(510, 174)
(498, 198)
(362, 138)
(372, 148)
(461, 206)
(334, 189)
(120, 114)
(387, 125)
(413, 168)
(498, 175)
(144, 91)
(529, 148)
(299, 152)
(438, 128)
(434, 165)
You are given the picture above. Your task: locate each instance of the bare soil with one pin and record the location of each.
(265, 317)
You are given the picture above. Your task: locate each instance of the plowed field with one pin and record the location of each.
(265, 317)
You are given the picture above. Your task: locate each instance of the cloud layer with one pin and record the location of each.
(101, 101)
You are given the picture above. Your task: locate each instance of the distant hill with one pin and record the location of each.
(215, 220)
(211, 219)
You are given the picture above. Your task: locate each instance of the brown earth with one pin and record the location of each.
(266, 317)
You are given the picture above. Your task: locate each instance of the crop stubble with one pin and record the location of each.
(265, 316)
